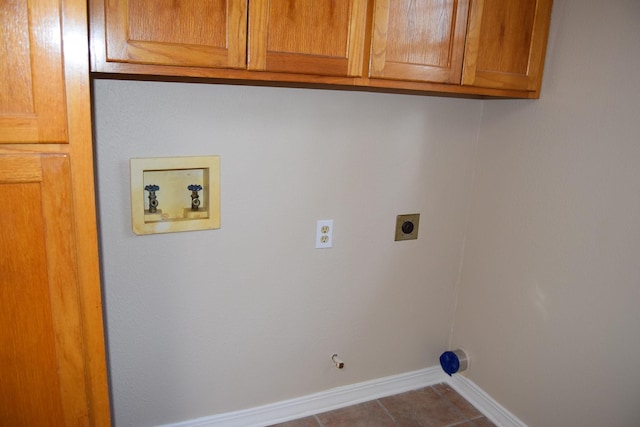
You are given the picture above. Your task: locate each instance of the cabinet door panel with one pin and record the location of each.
(506, 43)
(324, 37)
(418, 40)
(197, 33)
(41, 352)
(32, 90)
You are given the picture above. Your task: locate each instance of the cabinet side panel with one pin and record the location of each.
(83, 214)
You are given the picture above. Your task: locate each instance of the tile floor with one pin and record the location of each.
(434, 406)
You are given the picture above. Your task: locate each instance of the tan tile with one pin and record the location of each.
(478, 422)
(482, 422)
(302, 422)
(436, 406)
(422, 408)
(368, 414)
(467, 409)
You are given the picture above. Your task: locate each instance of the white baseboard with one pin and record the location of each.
(483, 402)
(341, 397)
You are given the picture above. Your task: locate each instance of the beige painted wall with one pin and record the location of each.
(550, 286)
(202, 323)
(207, 322)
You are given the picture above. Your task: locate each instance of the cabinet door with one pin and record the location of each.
(42, 368)
(506, 44)
(323, 37)
(419, 40)
(196, 33)
(32, 92)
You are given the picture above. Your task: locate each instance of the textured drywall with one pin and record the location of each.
(550, 285)
(201, 323)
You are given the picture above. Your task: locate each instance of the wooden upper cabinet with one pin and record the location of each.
(32, 87)
(467, 47)
(189, 33)
(419, 40)
(322, 37)
(506, 44)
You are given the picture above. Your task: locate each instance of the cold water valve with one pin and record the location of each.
(195, 197)
(153, 199)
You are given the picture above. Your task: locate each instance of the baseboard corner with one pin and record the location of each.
(495, 412)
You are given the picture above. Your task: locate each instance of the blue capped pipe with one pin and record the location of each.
(454, 361)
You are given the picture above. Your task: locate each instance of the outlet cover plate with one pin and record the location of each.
(324, 234)
(407, 227)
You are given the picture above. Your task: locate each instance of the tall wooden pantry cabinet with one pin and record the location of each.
(52, 355)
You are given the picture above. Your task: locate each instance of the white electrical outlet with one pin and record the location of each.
(324, 233)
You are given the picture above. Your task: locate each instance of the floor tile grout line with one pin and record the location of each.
(449, 400)
(455, 408)
(478, 416)
(384, 408)
(451, 405)
(459, 423)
